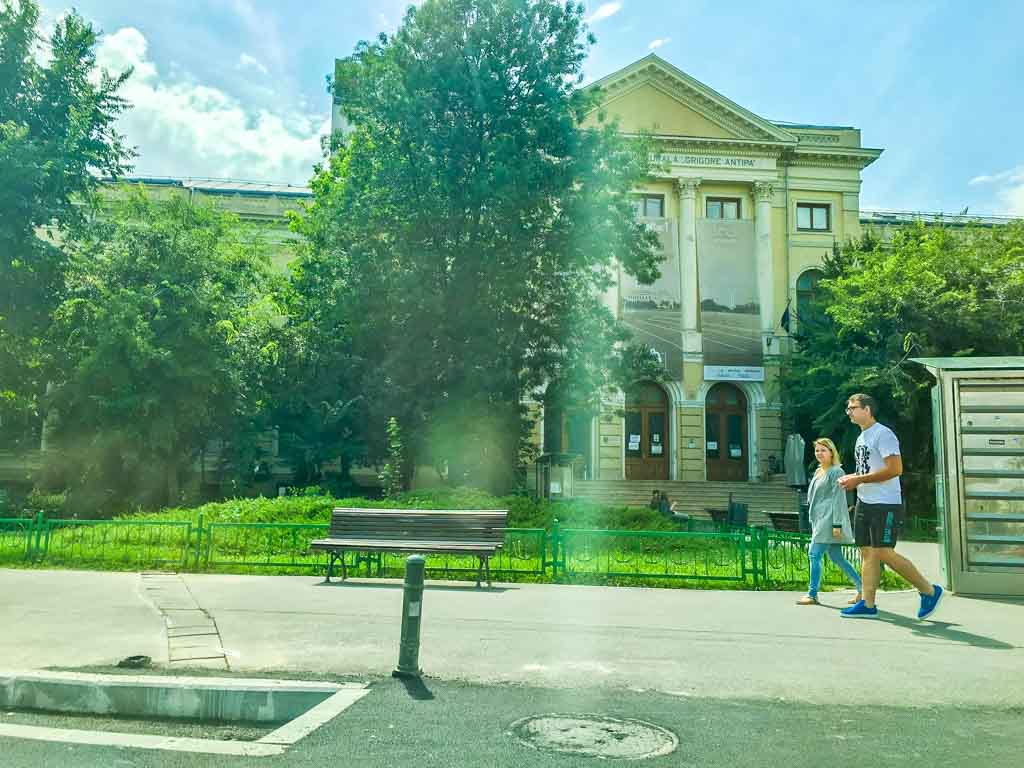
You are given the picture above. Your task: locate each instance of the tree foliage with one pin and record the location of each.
(57, 140)
(470, 224)
(932, 292)
(167, 336)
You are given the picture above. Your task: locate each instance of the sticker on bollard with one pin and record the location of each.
(412, 602)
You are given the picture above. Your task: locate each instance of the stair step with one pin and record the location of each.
(693, 498)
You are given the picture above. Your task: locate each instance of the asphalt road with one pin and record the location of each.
(461, 724)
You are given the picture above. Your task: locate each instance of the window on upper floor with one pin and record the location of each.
(649, 206)
(722, 207)
(814, 217)
(808, 312)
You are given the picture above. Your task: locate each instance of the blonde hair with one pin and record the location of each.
(836, 461)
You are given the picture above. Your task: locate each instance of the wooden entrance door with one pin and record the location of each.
(646, 433)
(725, 428)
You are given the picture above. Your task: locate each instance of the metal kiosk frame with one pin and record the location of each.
(978, 430)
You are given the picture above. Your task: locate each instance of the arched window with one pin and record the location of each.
(807, 294)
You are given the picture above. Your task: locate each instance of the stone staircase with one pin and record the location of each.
(694, 499)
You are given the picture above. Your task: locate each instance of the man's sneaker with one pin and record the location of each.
(859, 611)
(930, 603)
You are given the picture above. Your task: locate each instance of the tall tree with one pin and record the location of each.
(472, 224)
(57, 139)
(168, 334)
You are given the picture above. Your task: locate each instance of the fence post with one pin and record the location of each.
(763, 540)
(36, 550)
(748, 544)
(199, 539)
(554, 550)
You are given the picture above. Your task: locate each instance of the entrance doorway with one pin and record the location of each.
(567, 430)
(725, 433)
(646, 433)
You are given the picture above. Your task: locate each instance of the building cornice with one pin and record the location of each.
(839, 157)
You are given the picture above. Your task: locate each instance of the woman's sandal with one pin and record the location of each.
(807, 600)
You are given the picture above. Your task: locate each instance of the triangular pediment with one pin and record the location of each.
(653, 96)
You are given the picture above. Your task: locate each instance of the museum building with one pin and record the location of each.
(745, 210)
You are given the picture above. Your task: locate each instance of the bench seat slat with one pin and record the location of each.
(408, 546)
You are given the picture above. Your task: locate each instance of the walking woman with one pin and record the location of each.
(830, 520)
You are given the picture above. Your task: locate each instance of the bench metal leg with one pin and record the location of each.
(332, 558)
(484, 567)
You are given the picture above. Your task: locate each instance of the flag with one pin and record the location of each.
(784, 322)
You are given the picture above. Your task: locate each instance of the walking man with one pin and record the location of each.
(879, 511)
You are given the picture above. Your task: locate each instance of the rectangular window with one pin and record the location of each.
(813, 217)
(722, 208)
(649, 206)
(634, 425)
(656, 434)
(712, 438)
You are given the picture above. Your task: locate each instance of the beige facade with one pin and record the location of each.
(261, 205)
(744, 208)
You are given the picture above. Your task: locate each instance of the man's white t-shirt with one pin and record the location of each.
(873, 445)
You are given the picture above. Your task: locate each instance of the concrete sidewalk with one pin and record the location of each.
(720, 644)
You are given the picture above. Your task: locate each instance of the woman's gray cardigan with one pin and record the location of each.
(827, 507)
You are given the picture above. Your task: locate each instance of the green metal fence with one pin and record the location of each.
(261, 545)
(650, 554)
(285, 547)
(115, 543)
(17, 538)
(750, 556)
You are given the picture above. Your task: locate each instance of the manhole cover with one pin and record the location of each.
(595, 736)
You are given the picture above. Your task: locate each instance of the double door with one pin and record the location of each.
(646, 443)
(725, 434)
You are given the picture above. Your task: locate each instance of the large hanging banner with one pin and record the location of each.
(654, 312)
(730, 308)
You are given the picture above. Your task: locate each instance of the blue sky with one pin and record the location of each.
(235, 88)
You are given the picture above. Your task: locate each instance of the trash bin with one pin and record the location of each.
(805, 517)
(738, 515)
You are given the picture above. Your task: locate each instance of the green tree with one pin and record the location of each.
(315, 401)
(932, 292)
(168, 334)
(471, 223)
(57, 139)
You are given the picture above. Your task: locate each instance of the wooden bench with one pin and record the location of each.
(478, 533)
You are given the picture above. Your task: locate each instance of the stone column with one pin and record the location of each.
(765, 265)
(689, 292)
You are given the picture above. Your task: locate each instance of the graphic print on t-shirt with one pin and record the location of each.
(860, 458)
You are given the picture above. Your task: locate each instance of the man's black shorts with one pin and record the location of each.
(877, 525)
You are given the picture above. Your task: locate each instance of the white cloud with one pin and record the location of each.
(604, 11)
(1013, 174)
(1007, 189)
(655, 44)
(184, 128)
(245, 61)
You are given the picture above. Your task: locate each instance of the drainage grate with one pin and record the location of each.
(595, 736)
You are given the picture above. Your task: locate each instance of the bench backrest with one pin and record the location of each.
(483, 526)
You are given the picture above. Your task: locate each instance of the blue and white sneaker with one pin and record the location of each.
(930, 603)
(859, 610)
